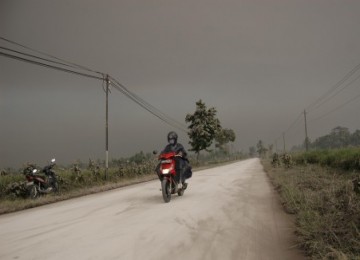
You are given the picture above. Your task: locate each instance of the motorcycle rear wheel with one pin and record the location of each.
(166, 192)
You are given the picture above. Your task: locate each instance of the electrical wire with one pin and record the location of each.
(311, 108)
(337, 108)
(149, 106)
(118, 86)
(161, 116)
(37, 57)
(49, 66)
(336, 93)
(141, 102)
(74, 65)
(327, 96)
(289, 128)
(113, 82)
(294, 123)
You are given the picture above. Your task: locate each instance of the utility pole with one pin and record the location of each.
(107, 128)
(306, 133)
(284, 142)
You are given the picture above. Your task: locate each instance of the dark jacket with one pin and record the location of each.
(177, 148)
(181, 163)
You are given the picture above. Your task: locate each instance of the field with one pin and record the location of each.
(343, 159)
(319, 188)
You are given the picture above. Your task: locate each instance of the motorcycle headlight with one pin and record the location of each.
(165, 171)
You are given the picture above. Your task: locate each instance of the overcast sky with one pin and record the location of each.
(260, 63)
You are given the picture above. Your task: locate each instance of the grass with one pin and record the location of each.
(326, 208)
(344, 159)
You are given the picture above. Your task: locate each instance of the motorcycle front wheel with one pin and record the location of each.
(166, 191)
(53, 183)
(33, 192)
(56, 187)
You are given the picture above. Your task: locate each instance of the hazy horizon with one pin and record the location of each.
(259, 63)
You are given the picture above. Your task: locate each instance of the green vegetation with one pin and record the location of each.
(339, 137)
(74, 181)
(205, 127)
(261, 150)
(319, 189)
(223, 137)
(343, 159)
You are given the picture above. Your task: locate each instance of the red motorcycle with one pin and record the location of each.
(39, 184)
(169, 185)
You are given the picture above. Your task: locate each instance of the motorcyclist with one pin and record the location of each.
(183, 169)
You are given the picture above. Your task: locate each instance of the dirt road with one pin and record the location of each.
(228, 212)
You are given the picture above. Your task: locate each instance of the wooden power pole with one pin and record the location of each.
(306, 133)
(107, 128)
(284, 142)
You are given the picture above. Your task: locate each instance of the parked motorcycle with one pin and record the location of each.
(167, 170)
(39, 184)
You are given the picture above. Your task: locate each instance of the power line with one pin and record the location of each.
(337, 108)
(328, 95)
(336, 93)
(51, 56)
(287, 130)
(310, 108)
(158, 114)
(49, 66)
(290, 126)
(37, 57)
(294, 123)
(141, 102)
(104, 78)
(148, 106)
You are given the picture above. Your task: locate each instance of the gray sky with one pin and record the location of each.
(260, 63)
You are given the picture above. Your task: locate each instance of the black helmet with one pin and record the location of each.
(172, 136)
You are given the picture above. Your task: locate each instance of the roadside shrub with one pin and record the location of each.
(326, 208)
(345, 159)
(7, 181)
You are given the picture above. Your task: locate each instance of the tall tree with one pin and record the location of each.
(252, 151)
(355, 138)
(203, 127)
(270, 149)
(261, 149)
(338, 138)
(223, 137)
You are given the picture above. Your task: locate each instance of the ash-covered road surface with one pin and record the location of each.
(228, 212)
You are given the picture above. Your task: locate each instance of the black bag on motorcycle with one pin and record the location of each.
(188, 172)
(183, 166)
